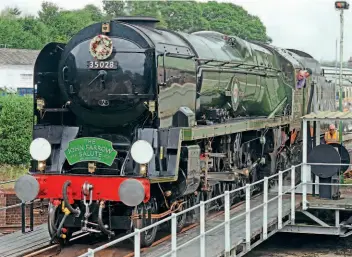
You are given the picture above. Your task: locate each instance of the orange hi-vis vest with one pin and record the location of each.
(331, 138)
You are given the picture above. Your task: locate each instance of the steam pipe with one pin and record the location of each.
(67, 203)
(58, 232)
(100, 220)
(51, 220)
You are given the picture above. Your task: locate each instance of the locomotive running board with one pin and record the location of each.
(177, 135)
(221, 176)
(234, 126)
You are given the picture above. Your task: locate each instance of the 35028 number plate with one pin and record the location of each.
(98, 65)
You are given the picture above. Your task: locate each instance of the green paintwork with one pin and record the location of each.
(90, 149)
(178, 88)
(264, 78)
(199, 132)
(264, 75)
(261, 89)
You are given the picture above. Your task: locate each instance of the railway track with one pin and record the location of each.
(124, 249)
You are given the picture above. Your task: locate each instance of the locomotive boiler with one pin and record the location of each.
(134, 123)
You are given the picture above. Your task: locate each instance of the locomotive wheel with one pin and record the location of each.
(180, 220)
(233, 197)
(220, 189)
(147, 237)
(194, 214)
(206, 195)
(195, 200)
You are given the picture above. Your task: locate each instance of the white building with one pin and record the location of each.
(332, 73)
(16, 68)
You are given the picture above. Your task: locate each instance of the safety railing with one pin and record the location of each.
(306, 172)
(23, 209)
(228, 244)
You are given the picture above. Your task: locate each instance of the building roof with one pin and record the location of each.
(332, 73)
(328, 115)
(10, 56)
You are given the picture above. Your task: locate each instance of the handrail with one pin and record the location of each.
(327, 164)
(201, 205)
(23, 210)
(18, 204)
(228, 219)
(7, 182)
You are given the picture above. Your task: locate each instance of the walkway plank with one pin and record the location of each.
(18, 244)
(215, 240)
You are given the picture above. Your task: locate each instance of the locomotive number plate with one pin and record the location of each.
(98, 65)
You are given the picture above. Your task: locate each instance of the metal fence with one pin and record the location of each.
(23, 210)
(306, 172)
(227, 219)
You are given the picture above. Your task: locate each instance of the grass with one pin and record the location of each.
(9, 172)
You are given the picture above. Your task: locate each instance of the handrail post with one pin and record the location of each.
(202, 229)
(173, 235)
(304, 186)
(227, 224)
(248, 217)
(293, 194)
(279, 204)
(265, 208)
(137, 243)
(31, 216)
(304, 165)
(90, 252)
(23, 217)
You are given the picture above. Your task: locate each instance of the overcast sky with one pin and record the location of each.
(308, 25)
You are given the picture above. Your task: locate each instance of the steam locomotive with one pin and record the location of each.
(134, 123)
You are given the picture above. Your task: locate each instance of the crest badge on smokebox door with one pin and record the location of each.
(101, 47)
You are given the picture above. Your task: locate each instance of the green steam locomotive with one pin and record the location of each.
(133, 120)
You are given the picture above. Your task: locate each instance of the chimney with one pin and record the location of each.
(138, 20)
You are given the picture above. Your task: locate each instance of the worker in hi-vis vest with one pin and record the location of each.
(331, 136)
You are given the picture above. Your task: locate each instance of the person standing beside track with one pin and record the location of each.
(331, 136)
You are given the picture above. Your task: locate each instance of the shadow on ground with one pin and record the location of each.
(287, 245)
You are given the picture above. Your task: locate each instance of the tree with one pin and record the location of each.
(56, 24)
(15, 11)
(37, 29)
(190, 16)
(69, 23)
(64, 24)
(114, 8)
(183, 16)
(48, 13)
(146, 8)
(95, 13)
(9, 12)
(13, 33)
(16, 119)
(231, 19)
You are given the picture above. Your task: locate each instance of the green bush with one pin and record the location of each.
(16, 123)
(11, 172)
